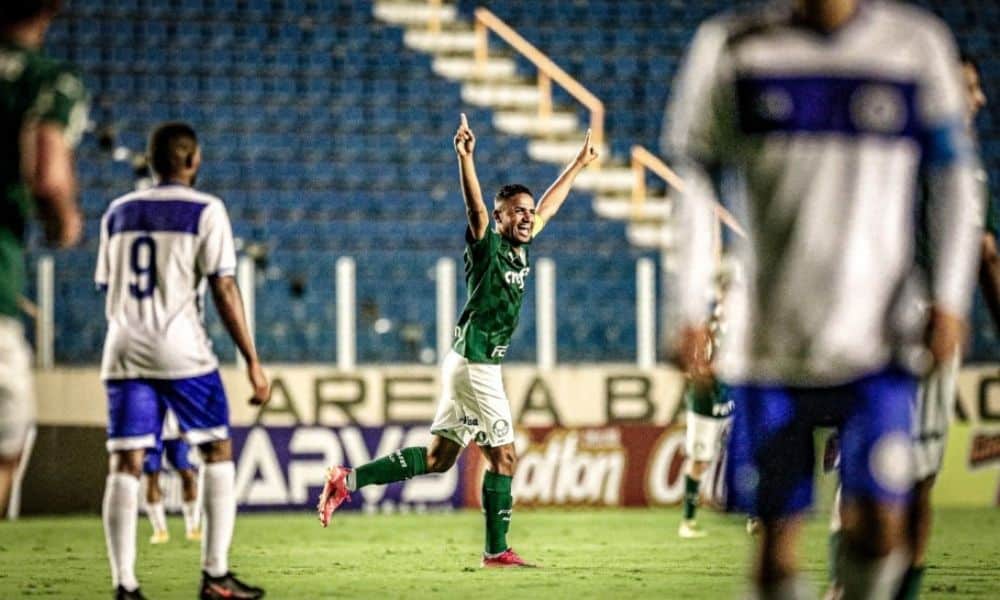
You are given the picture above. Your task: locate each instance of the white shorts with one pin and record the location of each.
(171, 430)
(17, 398)
(932, 416)
(473, 404)
(703, 436)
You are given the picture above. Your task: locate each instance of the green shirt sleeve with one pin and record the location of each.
(62, 100)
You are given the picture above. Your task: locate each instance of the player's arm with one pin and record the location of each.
(229, 303)
(217, 258)
(51, 130)
(47, 165)
(102, 270)
(554, 197)
(989, 276)
(475, 208)
(697, 123)
(954, 197)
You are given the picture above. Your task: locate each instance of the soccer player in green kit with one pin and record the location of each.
(42, 114)
(473, 404)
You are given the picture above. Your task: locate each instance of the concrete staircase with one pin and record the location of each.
(514, 102)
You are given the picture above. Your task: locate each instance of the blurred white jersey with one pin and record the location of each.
(823, 136)
(157, 248)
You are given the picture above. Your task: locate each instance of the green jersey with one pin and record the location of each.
(992, 224)
(32, 88)
(495, 274)
(714, 403)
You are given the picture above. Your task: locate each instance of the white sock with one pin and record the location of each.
(218, 489)
(157, 516)
(192, 516)
(120, 513)
(352, 481)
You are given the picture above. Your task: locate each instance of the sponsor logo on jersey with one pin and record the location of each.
(879, 108)
(775, 104)
(723, 409)
(499, 352)
(501, 428)
(516, 277)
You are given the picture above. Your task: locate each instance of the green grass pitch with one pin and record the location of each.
(584, 554)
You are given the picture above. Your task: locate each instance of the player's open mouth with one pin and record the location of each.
(525, 229)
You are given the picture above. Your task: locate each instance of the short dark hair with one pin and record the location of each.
(509, 191)
(968, 60)
(13, 12)
(171, 147)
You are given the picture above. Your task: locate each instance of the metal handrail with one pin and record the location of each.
(643, 160)
(548, 71)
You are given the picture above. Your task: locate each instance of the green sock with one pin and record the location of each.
(400, 465)
(692, 496)
(910, 588)
(497, 503)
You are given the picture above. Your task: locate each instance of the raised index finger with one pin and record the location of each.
(586, 140)
(465, 121)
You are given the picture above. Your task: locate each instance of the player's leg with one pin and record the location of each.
(833, 543)
(405, 463)
(178, 451)
(17, 404)
(451, 434)
(932, 416)
(135, 416)
(151, 465)
(702, 443)
(876, 477)
(202, 412)
(769, 469)
(693, 473)
(919, 521)
(498, 504)
(120, 512)
(8, 466)
(481, 397)
(397, 466)
(190, 508)
(218, 485)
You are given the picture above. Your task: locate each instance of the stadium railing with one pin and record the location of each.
(41, 311)
(643, 160)
(548, 72)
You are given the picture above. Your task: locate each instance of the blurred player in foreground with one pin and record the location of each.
(821, 114)
(44, 112)
(473, 404)
(708, 415)
(176, 450)
(158, 248)
(937, 391)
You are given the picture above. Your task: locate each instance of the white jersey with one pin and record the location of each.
(823, 136)
(157, 248)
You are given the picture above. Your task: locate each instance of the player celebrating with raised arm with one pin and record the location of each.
(159, 247)
(473, 404)
(44, 112)
(824, 113)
